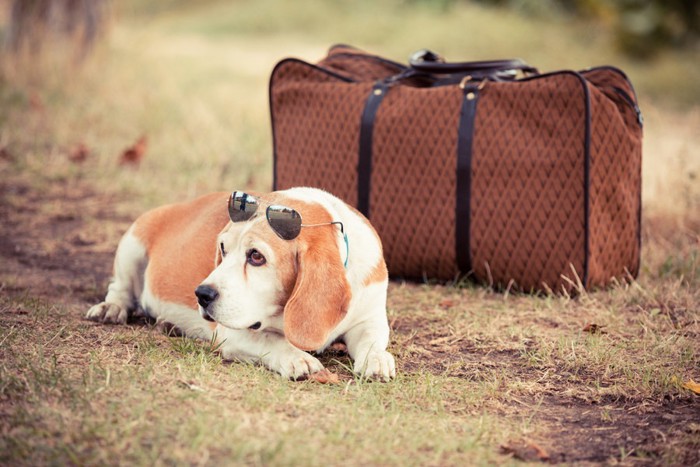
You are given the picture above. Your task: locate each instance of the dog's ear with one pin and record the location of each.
(321, 293)
(218, 256)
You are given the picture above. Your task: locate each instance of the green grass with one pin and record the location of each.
(75, 392)
(172, 401)
(477, 369)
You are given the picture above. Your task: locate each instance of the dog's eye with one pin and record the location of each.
(223, 250)
(255, 258)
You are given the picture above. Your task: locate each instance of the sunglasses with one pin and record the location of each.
(285, 221)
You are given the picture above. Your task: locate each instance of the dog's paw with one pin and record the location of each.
(108, 313)
(377, 365)
(294, 365)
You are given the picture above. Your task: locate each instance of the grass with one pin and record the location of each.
(477, 369)
(156, 391)
(473, 377)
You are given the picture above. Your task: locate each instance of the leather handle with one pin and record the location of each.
(430, 62)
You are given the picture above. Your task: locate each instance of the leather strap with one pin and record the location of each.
(466, 67)
(364, 163)
(465, 141)
(430, 62)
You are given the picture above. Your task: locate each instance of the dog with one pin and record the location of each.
(268, 279)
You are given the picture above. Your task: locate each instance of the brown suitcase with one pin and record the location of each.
(491, 169)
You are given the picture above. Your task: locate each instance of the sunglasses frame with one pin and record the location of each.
(282, 232)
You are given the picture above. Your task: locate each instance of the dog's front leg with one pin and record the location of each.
(268, 348)
(368, 339)
(367, 343)
(126, 285)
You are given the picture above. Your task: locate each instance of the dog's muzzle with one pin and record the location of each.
(206, 295)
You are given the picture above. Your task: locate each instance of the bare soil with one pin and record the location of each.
(57, 243)
(579, 429)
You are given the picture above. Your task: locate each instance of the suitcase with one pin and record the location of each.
(493, 170)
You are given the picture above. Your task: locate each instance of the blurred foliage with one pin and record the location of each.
(641, 27)
(644, 26)
(32, 23)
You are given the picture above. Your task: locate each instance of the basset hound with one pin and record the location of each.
(273, 276)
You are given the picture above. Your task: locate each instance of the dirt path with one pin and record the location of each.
(57, 242)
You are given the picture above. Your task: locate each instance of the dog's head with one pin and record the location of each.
(264, 281)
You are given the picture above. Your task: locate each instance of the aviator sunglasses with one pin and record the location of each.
(285, 221)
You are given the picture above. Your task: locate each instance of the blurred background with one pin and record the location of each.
(167, 99)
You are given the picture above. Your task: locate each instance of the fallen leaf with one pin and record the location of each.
(79, 153)
(446, 303)
(6, 155)
(525, 451)
(592, 328)
(133, 154)
(324, 377)
(36, 103)
(692, 385)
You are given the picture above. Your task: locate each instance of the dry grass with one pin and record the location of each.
(478, 369)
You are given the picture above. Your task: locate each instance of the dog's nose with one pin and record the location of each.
(205, 295)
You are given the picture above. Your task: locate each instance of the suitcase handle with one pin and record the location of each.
(429, 62)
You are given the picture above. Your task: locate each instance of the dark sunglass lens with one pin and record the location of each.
(241, 206)
(286, 222)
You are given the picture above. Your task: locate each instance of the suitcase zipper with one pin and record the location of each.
(626, 97)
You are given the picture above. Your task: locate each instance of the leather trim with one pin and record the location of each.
(482, 67)
(586, 180)
(587, 186)
(364, 162)
(465, 140)
(272, 110)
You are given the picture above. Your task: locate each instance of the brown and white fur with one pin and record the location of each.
(302, 299)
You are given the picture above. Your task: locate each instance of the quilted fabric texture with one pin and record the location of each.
(413, 179)
(555, 170)
(616, 160)
(316, 135)
(528, 182)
